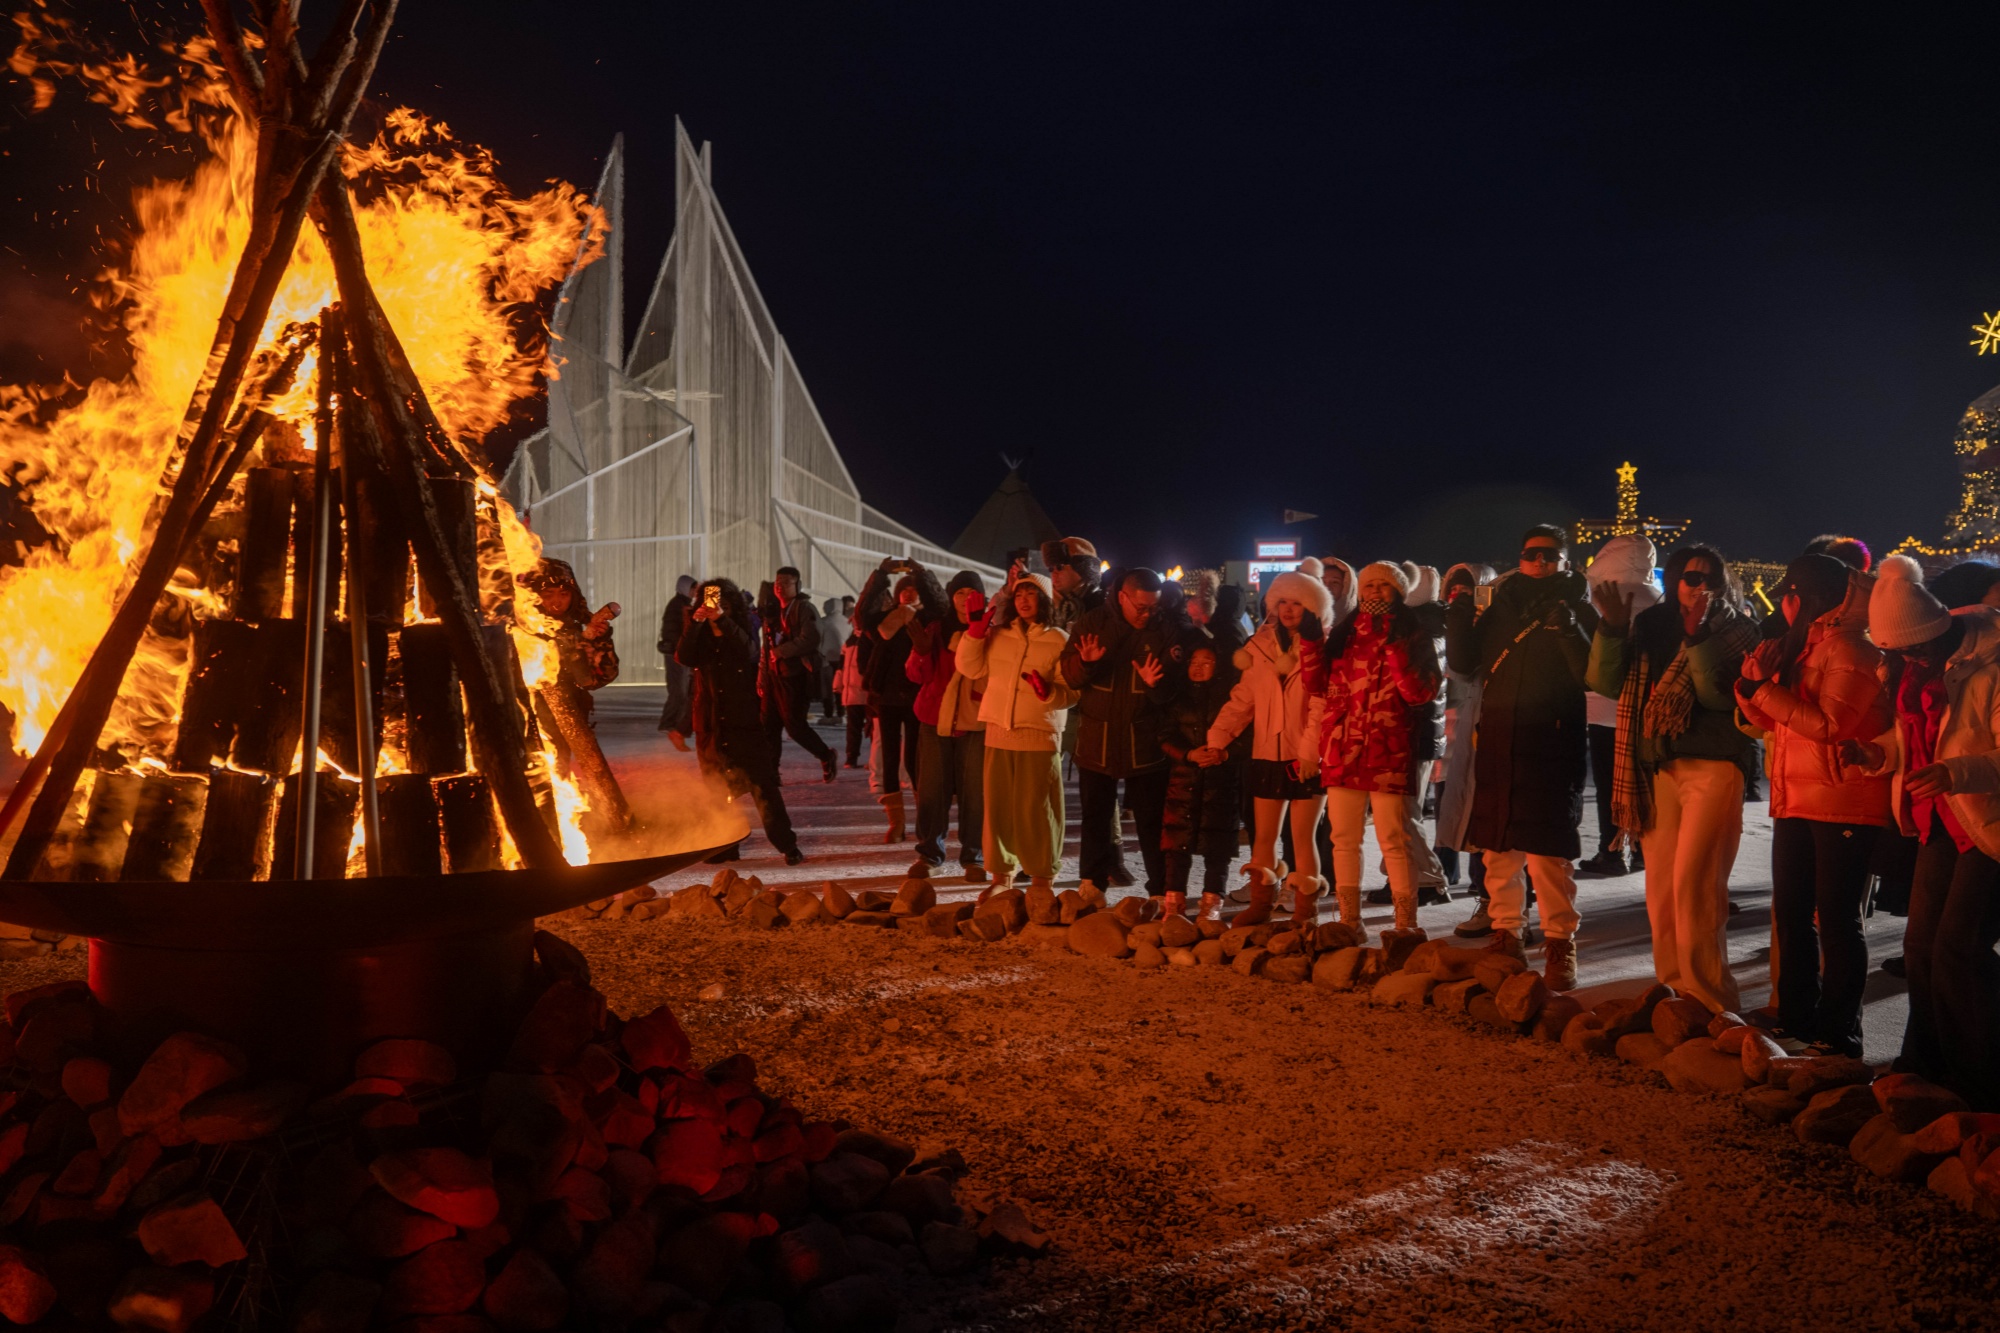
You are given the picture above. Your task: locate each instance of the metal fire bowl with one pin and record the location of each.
(304, 973)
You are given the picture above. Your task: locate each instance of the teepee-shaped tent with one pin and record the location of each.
(1010, 519)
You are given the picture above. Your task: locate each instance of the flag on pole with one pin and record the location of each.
(1298, 516)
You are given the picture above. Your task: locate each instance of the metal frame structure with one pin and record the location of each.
(697, 449)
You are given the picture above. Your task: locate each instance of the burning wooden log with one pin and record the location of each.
(386, 579)
(458, 510)
(266, 544)
(236, 828)
(433, 717)
(337, 734)
(304, 501)
(267, 736)
(412, 841)
(99, 851)
(338, 803)
(471, 827)
(166, 827)
(222, 660)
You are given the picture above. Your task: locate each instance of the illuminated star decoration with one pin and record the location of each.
(1989, 334)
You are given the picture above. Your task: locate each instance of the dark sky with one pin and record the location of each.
(1428, 270)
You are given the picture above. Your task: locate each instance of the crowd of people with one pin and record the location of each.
(1867, 698)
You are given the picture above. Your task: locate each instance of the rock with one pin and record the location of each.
(1758, 1051)
(86, 1080)
(1291, 970)
(1182, 958)
(182, 1068)
(950, 1249)
(1250, 961)
(811, 1255)
(1208, 953)
(1557, 1013)
(1070, 907)
(1454, 997)
(1948, 1133)
(610, 1281)
(702, 1256)
(1333, 936)
(1724, 1021)
(26, 1291)
(1954, 1182)
(764, 913)
(1398, 945)
(1146, 932)
(1587, 1035)
(688, 1153)
(1091, 897)
(802, 907)
(1211, 928)
(248, 1113)
(1485, 1011)
(1177, 932)
(873, 900)
(851, 1305)
(1148, 955)
(1010, 905)
(1521, 997)
(1371, 969)
(694, 901)
(1236, 939)
(983, 928)
(1773, 1106)
(1042, 905)
(895, 1155)
(1336, 970)
(1045, 937)
(847, 1182)
(563, 1019)
(1821, 1073)
(1890, 1153)
(1641, 1018)
(1914, 1102)
(1423, 958)
(737, 898)
(163, 1299)
(1283, 943)
(1680, 1019)
(1131, 909)
(1403, 988)
(190, 1230)
(914, 898)
(942, 921)
(382, 1228)
(1835, 1115)
(1730, 1040)
(1451, 962)
(335, 1302)
(1493, 970)
(527, 1296)
(443, 1182)
(656, 1041)
(1642, 1049)
(444, 1278)
(863, 917)
(1696, 1066)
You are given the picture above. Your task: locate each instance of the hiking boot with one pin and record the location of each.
(1432, 895)
(1406, 914)
(1507, 942)
(1477, 926)
(794, 857)
(1210, 909)
(892, 806)
(975, 873)
(1174, 904)
(1348, 896)
(830, 767)
(1559, 965)
(920, 869)
(1608, 863)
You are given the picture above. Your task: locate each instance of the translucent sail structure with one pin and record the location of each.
(697, 450)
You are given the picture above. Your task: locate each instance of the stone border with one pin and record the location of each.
(1898, 1126)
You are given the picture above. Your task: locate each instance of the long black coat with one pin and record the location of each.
(1122, 716)
(1531, 646)
(728, 728)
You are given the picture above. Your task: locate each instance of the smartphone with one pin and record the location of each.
(711, 597)
(1482, 596)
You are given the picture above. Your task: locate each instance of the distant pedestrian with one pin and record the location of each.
(674, 717)
(720, 648)
(794, 675)
(951, 749)
(890, 601)
(832, 637)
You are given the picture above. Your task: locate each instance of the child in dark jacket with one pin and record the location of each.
(1204, 800)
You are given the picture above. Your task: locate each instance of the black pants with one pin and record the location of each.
(755, 766)
(1200, 819)
(1820, 869)
(896, 734)
(1100, 835)
(674, 717)
(1954, 1032)
(857, 731)
(1603, 762)
(792, 703)
(951, 766)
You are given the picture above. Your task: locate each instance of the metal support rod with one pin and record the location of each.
(357, 639)
(303, 859)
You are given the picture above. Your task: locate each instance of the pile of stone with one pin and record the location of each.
(17, 942)
(599, 1178)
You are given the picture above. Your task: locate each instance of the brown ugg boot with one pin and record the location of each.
(1559, 965)
(1406, 913)
(1263, 894)
(892, 806)
(1349, 896)
(1305, 900)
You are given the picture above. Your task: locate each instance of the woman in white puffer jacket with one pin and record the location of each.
(1278, 697)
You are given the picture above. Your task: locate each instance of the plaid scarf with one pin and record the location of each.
(1661, 711)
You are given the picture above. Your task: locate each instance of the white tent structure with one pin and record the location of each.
(697, 450)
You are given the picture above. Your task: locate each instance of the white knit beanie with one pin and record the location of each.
(1391, 571)
(1902, 613)
(1425, 586)
(1303, 586)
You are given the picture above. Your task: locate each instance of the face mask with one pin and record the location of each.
(1376, 606)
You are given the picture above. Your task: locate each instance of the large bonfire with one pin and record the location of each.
(458, 265)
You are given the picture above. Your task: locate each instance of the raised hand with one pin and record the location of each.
(1613, 603)
(1089, 647)
(1150, 670)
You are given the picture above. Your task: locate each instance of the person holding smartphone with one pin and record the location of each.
(1528, 650)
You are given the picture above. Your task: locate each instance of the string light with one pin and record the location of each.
(1989, 334)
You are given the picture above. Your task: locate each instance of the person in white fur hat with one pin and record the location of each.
(1277, 699)
(1627, 560)
(1944, 753)
(1376, 731)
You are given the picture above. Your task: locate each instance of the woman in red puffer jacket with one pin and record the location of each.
(1382, 677)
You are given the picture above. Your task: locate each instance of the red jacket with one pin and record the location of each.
(1377, 688)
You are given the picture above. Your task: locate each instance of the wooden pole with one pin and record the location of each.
(315, 618)
(358, 632)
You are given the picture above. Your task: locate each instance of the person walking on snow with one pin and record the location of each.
(1529, 649)
(1680, 762)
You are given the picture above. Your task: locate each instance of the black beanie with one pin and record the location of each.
(1819, 580)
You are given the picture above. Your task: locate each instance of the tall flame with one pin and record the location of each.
(453, 258)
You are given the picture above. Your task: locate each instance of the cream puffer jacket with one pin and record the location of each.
(1002, 657)
(1969, 741)
(1277, 699)
(1838, 696)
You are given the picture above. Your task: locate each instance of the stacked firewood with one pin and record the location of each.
(600, 1176)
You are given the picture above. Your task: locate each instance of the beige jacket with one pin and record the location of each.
(1002, 658)
(1276, 700)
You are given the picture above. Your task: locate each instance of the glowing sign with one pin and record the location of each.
(1284, 550)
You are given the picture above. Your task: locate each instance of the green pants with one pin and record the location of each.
(1024, 812)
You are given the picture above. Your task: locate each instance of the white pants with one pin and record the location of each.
(1697, 824)
(1345, 812)
(1555, 890)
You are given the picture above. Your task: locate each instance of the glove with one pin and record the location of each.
(1310, 629)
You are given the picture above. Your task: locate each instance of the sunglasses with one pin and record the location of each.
(1699, 578)
(1543, 555)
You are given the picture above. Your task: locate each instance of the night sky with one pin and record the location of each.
(1430, 271)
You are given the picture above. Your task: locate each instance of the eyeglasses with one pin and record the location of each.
(1544, 555)
(1698, 578)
